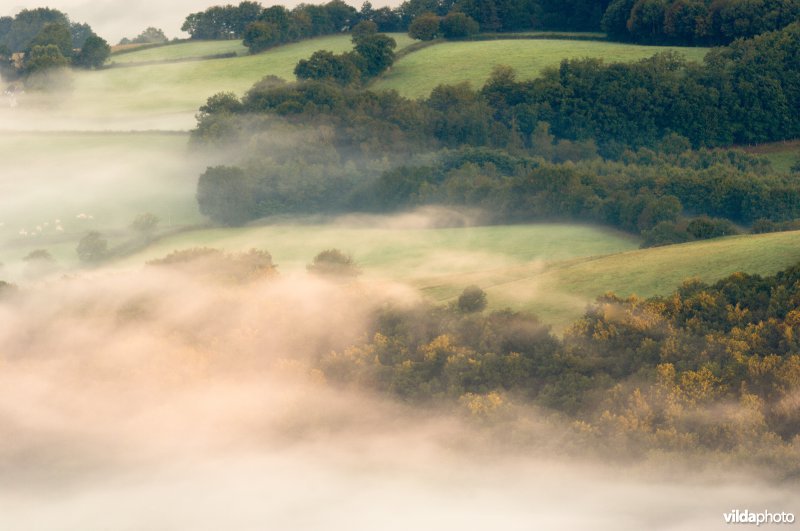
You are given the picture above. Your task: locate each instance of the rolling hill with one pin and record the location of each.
(415, 74)
(551, 269)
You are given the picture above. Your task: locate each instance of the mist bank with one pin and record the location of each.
(176, 397)
(73, 101)
(57, 187)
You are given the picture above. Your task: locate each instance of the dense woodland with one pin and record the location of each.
(708, 367)
(608, 143)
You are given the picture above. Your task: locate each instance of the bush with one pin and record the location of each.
(39, 255)
(145, 223)
(458, 26)
(216, 265)
(334, 262)
(424, 28)
(472, 299)
(92, 248)
(665, 233)
(703, 228)
(325, 65)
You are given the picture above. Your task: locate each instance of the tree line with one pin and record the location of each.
(261, 28)
(683, 22)
(696, 22)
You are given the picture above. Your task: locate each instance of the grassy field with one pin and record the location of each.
(559, 291)
(183, 50)
(166, 96)
(160, 96)
(392, 248)
(453, 62)
(553, 270)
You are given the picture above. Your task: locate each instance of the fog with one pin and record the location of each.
(54, 188)
(115, 19)
(151, 399)
(138, 397)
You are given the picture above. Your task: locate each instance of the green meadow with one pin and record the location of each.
(416, 74)
(401, 249)
(164, 96)
(559, 291)
(179, 51)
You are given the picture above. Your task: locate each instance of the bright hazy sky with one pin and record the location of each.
(114, 19)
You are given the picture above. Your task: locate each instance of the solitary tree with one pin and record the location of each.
(472, 299)
(150, 36)
(39, 262)
(92, 247)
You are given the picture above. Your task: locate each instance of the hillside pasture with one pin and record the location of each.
(416, 74)
(559, 291)
(179, 51)
(405, 247)
(553, 270)
(162, 96)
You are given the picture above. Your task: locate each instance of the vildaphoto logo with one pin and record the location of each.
(764, 517)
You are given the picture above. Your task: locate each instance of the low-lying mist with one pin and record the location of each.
(156, 399)
(56, 187)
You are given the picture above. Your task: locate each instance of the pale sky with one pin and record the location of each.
(114, 19)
